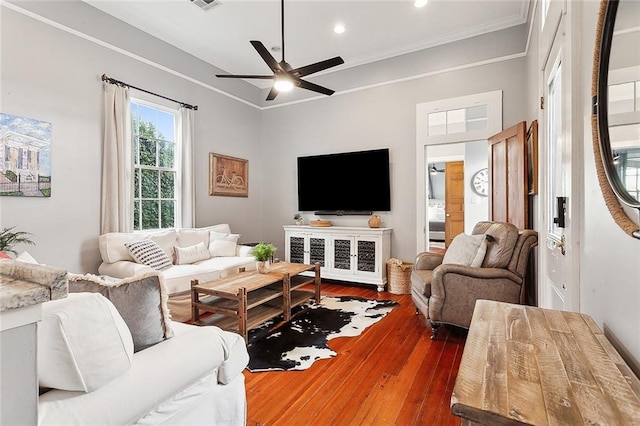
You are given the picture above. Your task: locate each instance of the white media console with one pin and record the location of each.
(345, 253)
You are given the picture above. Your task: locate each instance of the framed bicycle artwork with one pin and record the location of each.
(228, 176)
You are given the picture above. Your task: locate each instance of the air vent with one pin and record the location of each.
(206, 4)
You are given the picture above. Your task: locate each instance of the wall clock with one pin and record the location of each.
(480, 182)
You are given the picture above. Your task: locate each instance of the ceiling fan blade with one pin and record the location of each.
(272, 94)
(314, 87)
(318, 66)
(264, 77)
(266, 56)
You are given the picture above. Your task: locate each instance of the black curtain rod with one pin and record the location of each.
(123, 84)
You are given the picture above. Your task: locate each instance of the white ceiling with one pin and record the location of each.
(375, 29)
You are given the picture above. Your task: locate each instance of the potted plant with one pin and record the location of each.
(263, 252)
(9, 238)
(298, 218)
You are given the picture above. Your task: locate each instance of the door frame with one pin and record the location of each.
(558, 29)
(493, 100)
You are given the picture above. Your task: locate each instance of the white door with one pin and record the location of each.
(559, 195)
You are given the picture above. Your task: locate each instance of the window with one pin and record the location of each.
(555, 128)
(156, 148)
(457, 120)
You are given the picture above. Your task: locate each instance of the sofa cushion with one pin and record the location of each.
(166, 239)
(141, 300)
(149, 253)
(112, 247)
(223, 228)
(466, 250)
(83, 343)
(222, 244)
(191, 254)
(188, 237)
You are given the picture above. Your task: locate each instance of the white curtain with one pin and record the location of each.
(187, 116)
(117, 162)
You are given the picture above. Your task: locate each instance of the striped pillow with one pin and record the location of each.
(149, 253)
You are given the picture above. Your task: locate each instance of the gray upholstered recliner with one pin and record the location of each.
(447, 293)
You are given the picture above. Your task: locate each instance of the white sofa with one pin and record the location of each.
(117, 261)
(192, 376)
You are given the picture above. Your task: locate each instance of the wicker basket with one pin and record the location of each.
(399, 276)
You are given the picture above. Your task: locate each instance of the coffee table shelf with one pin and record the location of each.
(299, 296)
(255, 316)
(248, 299)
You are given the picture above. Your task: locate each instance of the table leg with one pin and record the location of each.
(286, 296)
(242, 313)
(195, 298)
(317, 281)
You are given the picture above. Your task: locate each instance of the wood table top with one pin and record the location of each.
(528, 365)
(252, 280)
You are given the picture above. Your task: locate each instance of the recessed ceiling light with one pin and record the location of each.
(338, 29)
(420, 3)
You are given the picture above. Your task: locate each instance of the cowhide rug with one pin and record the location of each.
(297, 344)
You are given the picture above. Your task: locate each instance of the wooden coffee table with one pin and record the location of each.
(245, 300)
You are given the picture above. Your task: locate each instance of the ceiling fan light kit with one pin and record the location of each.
(284, 75)
(283, 84)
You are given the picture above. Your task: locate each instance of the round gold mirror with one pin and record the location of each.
(616, 99)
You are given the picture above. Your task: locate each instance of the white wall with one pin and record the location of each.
(476, 207)
(610, 259)
(373, 118)
(54, 76)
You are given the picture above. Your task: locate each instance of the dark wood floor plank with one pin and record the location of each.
(392, 374)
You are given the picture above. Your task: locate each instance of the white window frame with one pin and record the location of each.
(177, 137)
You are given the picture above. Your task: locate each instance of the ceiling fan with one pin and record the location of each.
(284, 76)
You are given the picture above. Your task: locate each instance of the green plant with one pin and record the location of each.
(263, 251)
(297, 216)
(8, 239)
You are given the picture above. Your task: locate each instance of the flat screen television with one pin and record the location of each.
(345, 183)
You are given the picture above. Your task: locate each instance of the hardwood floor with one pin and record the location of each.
(392, 374)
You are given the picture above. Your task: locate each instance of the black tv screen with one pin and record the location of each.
(345, 183)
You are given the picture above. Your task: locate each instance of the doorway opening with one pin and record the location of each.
(445, 130)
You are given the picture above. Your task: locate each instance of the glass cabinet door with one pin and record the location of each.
(317, 250)
(296, 249)
(342, 254)
(366, 255)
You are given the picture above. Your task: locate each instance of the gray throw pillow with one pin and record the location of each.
(466, 250)
(141, 300)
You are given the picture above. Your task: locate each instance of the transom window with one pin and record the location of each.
(458, 120)
(156, 169)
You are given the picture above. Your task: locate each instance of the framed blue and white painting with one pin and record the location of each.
(25, 145)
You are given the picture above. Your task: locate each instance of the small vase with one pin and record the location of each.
(298, 222)
(375, 221)
(263, 267)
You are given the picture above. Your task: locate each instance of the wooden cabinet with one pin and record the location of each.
(345, 253)
(307, 247)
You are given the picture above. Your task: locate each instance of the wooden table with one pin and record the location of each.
(527, 365)
(245, 300)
